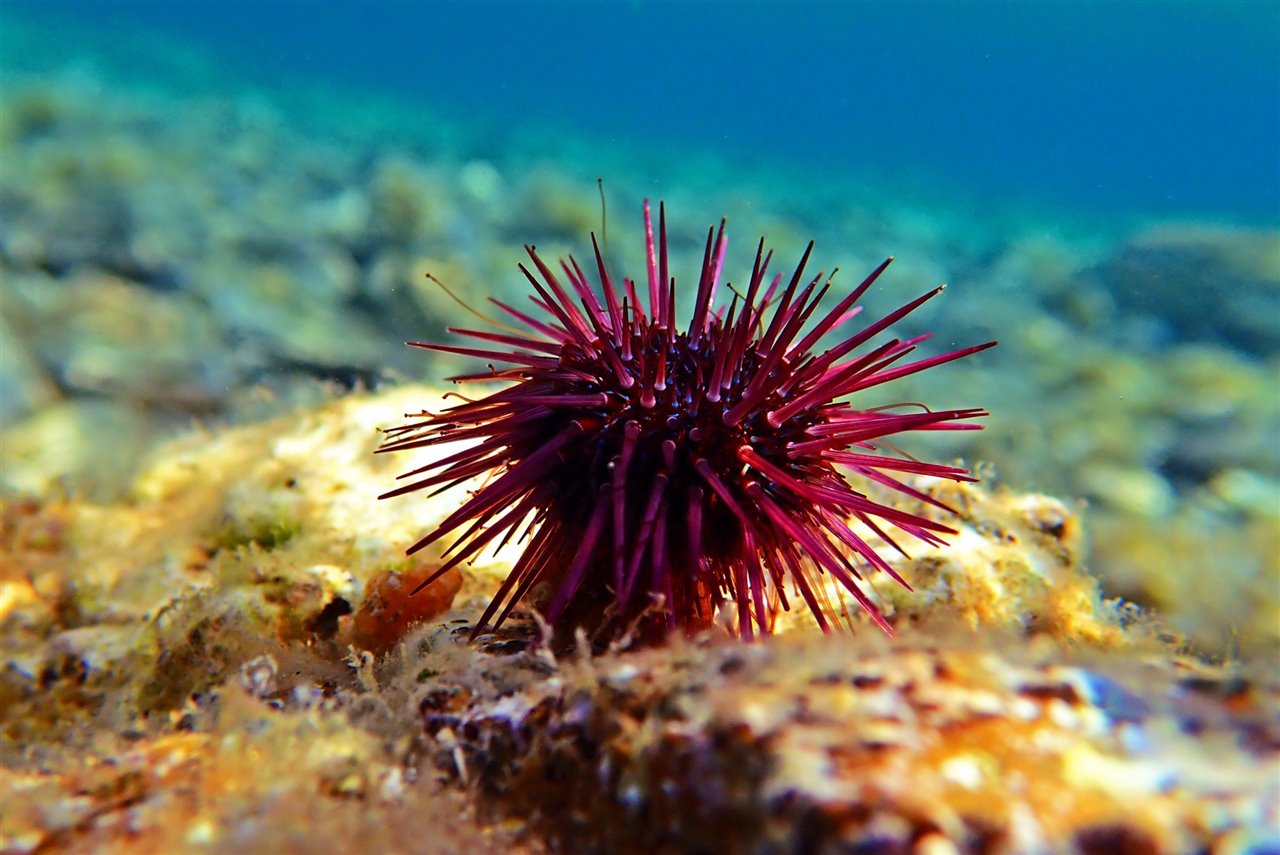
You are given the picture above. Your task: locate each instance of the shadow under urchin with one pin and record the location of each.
(656, 475)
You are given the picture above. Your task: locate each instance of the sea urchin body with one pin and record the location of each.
(656, 475)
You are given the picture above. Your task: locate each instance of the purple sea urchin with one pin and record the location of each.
(656, 474)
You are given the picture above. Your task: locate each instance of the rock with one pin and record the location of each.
(406, 203)
(208, 618)
(856, 744)
(87, 447)
(1133, 490)
(292, 316)
(1208, 283)
(107, 336)
(24, 384)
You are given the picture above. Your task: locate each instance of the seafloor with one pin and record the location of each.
(205, 640)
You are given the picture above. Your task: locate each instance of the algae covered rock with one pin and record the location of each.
(207, 665)
(844, 744)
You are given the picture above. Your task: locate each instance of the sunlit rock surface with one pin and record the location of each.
(184, 670)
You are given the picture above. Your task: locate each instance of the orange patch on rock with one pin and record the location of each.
(388, 611)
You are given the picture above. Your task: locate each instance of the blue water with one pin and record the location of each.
(1157, 108)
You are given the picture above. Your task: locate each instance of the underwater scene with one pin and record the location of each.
(689, 523)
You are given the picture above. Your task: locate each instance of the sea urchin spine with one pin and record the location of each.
(657, 474)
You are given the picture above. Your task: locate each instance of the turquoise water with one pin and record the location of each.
(1106, 108)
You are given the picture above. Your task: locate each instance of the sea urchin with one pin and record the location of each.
(656, 474)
